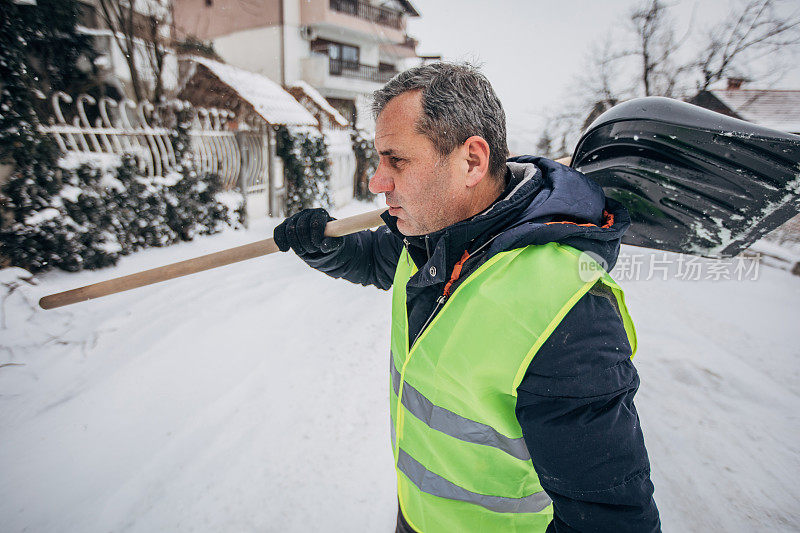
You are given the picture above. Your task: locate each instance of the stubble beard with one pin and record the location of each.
(436, 209)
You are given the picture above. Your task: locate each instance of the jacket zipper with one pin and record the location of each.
(439, 302)
(441, 299)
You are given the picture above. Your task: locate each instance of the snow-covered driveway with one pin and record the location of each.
(253, 398)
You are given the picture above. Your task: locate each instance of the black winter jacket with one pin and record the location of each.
(575, 403)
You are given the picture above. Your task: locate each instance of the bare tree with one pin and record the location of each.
(545, 145)
(669, 66)
(141, 36)
(601, 84)
(663, 64)
(157, 26)
(656, 40)
(600, 87)
(755, 31)
(596, 90)
(657, 48)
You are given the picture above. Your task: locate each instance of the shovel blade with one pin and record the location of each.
(694, 181)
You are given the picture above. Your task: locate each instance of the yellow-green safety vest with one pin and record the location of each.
(461, 460)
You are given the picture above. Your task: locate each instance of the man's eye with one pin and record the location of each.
(395, 161)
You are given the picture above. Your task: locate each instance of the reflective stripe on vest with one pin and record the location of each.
(461, 460)
(452, 424)
(436, 485)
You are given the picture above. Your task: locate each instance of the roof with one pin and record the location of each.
(773, 108)
(320, 101)
(268, 99)
(410, 9)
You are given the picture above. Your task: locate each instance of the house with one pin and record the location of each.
(345, 49)
(212, 84)
(772, 108)
(259, 104)
(327, 116)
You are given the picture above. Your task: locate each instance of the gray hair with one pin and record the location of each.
(457, 103)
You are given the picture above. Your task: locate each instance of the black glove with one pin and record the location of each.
(304, 233)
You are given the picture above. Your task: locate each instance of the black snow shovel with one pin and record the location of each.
(694, 181)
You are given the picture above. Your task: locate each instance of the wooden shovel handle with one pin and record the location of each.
(335, 228)
(353, 224)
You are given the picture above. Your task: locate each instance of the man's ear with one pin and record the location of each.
(476, 155)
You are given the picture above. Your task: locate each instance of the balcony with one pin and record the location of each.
(372, 13)
(350, 69)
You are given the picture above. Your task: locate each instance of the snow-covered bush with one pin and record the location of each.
(306, 168)
(89, 215)
(72, 212)
(34, 232)
(39, 49)
(202, 206)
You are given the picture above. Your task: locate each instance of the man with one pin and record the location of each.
(512, 384)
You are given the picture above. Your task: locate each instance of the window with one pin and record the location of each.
(343, 54)
(348, 55)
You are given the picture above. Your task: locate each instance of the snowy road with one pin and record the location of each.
(253, 398)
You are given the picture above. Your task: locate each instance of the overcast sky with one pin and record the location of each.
(533, 50)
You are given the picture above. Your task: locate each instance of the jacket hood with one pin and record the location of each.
(567, 207)
(543, 202)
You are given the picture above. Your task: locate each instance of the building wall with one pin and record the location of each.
(223, 17)
(318, 12)
(257, 50)
(295, 46)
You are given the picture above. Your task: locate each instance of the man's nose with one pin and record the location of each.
(380, 181)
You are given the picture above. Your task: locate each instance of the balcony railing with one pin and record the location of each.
(351, 69)
(367, 11)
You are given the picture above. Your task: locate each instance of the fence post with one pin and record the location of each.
(272, 157)
(242, 180)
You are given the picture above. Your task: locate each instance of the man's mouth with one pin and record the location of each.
(393, 209)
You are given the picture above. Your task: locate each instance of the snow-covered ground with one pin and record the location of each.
(254, 398)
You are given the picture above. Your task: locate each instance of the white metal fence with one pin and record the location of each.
(237, 151)
(240, 150)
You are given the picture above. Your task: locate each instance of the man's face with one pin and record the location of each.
(423, 189)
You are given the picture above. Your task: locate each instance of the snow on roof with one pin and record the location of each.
(320, 101)
(268, 99)
(776, 109)
(409, 9)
